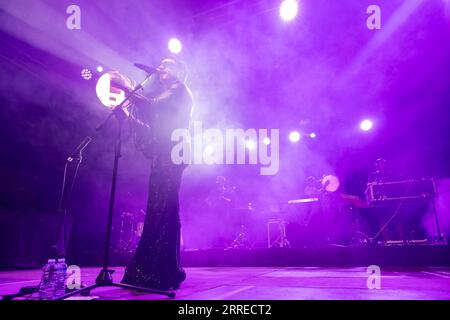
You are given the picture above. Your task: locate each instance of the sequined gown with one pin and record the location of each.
(156, 262)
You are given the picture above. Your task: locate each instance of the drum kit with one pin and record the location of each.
(322, 217)
(243, 226)
(131, 227)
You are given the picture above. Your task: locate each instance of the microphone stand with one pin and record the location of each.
(104, 278)
(58, 250)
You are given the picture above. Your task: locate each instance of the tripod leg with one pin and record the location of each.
(439, 237)
(169, 294)
(70, 294)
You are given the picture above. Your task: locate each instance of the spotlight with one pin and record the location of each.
(266, 141)
(209, 150)
(100, 69)
(288, 10)
(312, 135)
(86, 74)
(294, 136)
(250, 144)
(174, 46)
(366, 125)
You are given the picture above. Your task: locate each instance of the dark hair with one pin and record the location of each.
(180, 65)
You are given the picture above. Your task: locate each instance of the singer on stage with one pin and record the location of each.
(165, 105)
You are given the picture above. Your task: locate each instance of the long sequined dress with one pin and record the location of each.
(156, 262)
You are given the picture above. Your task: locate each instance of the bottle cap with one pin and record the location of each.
(51, 260)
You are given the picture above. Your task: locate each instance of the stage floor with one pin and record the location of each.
(255, 283)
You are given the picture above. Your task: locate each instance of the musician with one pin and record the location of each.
(313, 187)
(380, 174)
(324, 217)
(163, 107)
(220, 193)
(219, 205)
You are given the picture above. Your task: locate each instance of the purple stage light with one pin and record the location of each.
(209, 150)
(294, 136)
(174, 45)
(100, 69)
(266, 141)
(250, 144)
(312, 135)
(86, 74)
(288, 10)
(366, 125)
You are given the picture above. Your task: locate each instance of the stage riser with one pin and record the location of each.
(325, 257)
(383, 256)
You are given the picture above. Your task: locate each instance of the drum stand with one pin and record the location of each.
(241, 241)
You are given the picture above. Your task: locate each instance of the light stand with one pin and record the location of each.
(440, 238)
(104, 278)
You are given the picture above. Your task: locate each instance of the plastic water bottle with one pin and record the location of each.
(60, 279)
(46, 289)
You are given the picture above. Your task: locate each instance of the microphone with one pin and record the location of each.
(80, 148)
(143, 67)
